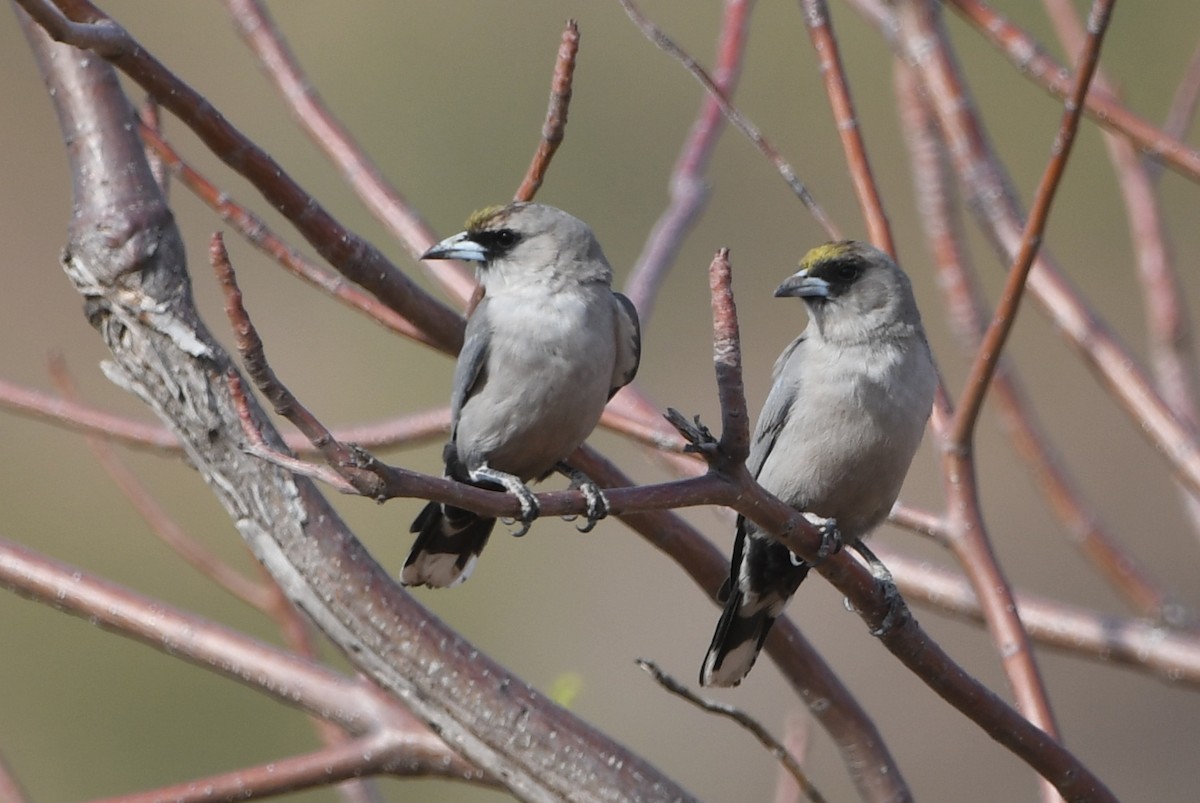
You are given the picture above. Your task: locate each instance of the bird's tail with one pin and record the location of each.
(737, 642)
(764, 577)
(449, 540)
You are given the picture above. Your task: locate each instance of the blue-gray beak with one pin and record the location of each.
(460, 246)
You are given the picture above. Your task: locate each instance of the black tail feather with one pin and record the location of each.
(449, 540)
(736, 643)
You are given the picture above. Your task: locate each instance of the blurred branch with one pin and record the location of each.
(734, 116)
(1140, 644)
(255, 231)
(10, 787)
(1183, 108)
(1169, 339)
(285, 677)
(687, 186)
(1032, 62)
(996, 334)
(350, 254)
(965, 310)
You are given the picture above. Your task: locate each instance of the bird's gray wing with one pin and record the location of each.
(469, 373)
(775, 410)
(629, 344)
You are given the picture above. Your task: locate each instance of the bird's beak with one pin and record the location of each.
(801, 285)
(460, 246)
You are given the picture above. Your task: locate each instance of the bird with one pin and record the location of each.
(847, 409)
(544, 350)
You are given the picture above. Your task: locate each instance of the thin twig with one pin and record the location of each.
(1031, 239)
(346, 251)
(255, 230)
(250, 346)
(774, 747)
(727, 358)
(687, 187)
(1033, 63)
(837, 87)
(965, 309)
(556, 115)
(1182, 109)
(734, 116)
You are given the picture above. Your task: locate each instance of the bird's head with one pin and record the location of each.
(853, 291)
(521, 243)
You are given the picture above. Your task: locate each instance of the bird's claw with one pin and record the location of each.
(699, 437)
(831, 536)
(597, 504)
(897, 609)
(529, 510)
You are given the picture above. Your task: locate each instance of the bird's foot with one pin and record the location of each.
(511, 483)
(699, 437)
(897, 609)
(593, 494)
(831, 536)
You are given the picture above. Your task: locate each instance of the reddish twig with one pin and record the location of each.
(1014, 289)
(258, 446)
(734, 116)
(837, 87)
(349, 253)
(255, 231)
(965, 310)
(687, 187)
(1033, 63)
(381, 198)
(556, 115)
(1172, 353)
(250, 346)
(727, 358)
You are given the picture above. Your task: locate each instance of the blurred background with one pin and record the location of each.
(448, 98)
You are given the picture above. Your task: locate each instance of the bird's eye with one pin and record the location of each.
(506, 238)
(847, 272)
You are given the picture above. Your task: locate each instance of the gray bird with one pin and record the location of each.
(544, 351)
(845, 414)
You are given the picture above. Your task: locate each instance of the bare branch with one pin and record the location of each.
(556, 115)
(1031, 240)
(687, 186)
(734, 116)
(837, 87)
(774, 747)
(1033, 63)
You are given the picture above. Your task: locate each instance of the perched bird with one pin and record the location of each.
(845, 414)
(545, 349)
